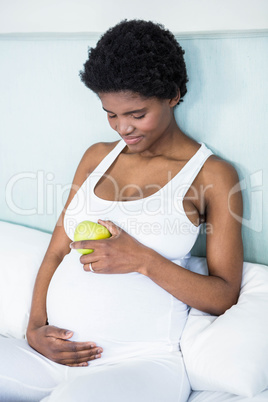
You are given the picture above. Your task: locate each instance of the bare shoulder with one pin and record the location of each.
(90, 160)
(96, 152)
(219, 174)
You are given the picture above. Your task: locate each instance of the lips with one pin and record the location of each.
(132, 140)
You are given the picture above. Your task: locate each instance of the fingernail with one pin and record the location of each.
(71, 245)
(68, 332)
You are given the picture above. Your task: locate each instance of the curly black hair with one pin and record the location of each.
(138, 56)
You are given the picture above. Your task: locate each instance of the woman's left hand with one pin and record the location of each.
(119, 254)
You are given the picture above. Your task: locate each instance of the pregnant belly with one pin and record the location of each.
(113, 310)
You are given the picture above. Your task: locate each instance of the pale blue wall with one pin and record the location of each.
(48, 118)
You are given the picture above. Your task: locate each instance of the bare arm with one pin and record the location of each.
(57, 249)
(218, 291)
(46, 339)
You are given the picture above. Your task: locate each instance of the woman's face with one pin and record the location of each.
(143, 123)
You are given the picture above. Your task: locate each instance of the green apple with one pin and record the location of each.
(88, 230)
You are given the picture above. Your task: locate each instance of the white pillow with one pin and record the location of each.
(229, 353)
(21, 252)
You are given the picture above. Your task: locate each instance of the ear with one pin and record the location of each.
(173, 102)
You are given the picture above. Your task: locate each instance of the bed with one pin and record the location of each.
(226, 357)
(225, 353)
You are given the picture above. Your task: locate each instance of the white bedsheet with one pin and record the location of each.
(208, 396)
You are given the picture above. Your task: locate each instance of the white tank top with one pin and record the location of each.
(126, 314)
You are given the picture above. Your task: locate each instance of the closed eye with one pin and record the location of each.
(137, 118)
(140, 117)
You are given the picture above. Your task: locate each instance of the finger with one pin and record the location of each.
(91, 244)
(84, 364)
(80, 357)
(99, 267)
(89, 258)
(89, 267)
(112, 227)
(75, 347)
(56, 332)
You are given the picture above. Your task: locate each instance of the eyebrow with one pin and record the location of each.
(127, 113)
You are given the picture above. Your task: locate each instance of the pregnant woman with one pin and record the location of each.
(107, 326)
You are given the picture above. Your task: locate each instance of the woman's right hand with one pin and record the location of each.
(53, 343)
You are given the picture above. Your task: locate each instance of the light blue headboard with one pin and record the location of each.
(49, 118)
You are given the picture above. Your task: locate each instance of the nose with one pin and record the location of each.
(124, 128)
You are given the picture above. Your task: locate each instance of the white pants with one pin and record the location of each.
(25, 375)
